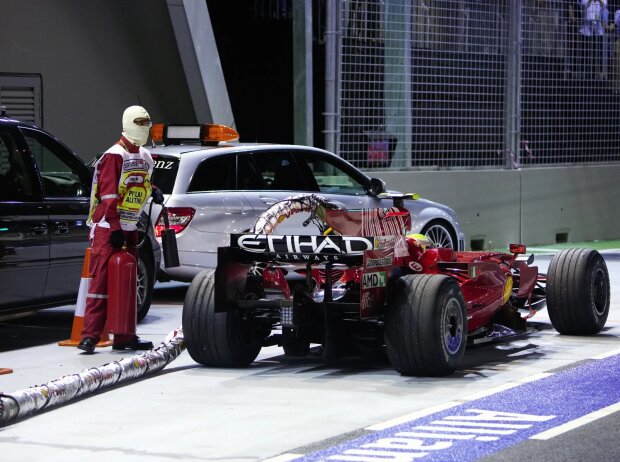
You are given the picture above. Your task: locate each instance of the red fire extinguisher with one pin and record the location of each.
(122, 298)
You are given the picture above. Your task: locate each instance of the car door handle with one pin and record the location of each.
(39, 229)
(268, 200)
(61, 227)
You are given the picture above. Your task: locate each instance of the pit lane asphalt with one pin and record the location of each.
(278, 406)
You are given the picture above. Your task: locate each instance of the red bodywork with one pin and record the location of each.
(487, 279)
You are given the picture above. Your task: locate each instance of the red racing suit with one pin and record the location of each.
(121, 186)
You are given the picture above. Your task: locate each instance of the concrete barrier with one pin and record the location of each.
(534, 206)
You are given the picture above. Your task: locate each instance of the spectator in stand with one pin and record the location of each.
(608, 28)
(571, 14)
(592, 32)
(616, 56)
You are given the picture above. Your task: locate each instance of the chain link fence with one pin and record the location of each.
(437, 84)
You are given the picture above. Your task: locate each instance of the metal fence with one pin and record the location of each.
(473, 83)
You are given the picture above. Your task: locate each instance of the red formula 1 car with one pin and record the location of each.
(364, 283)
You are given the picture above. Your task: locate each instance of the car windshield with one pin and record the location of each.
(165, 170)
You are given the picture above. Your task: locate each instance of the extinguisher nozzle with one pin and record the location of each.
(169, 243)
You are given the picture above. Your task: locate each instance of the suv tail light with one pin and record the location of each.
(179, 218)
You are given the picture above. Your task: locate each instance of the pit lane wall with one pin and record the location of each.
(534, 206)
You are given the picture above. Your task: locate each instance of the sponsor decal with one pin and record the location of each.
(134, 190)
(134, 196)
(134, 179)
(305, 257)
(365, 302)
(385, 242)
(136, 164)
(373, 280)
(377, 262)
(163, 164)
(318, 246)
(415, 266)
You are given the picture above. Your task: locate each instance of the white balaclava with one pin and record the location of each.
(137, 134)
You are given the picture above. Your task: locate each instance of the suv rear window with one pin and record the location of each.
(165, 172)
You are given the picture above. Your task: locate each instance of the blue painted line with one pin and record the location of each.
(487, 425)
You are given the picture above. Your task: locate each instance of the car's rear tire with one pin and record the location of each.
(578, 292)
(441, 234)
(145, 281)
(220, 339)
(425, 325)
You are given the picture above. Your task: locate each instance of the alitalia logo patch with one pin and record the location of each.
(373, 280)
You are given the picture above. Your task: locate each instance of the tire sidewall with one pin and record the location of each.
(596, 269)
(571, 291)
(415, 325)
(216, 338)
(450, 300)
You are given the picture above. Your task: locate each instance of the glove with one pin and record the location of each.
(117, 239)
(157, 195)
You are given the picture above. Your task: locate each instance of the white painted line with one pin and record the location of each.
(491, 391)
(606, 355)
(443, 406)
(568, 426)
(460, 423)
(476, 431)
(441, 436)
(506, 386)
(284, 458)
(414, 415)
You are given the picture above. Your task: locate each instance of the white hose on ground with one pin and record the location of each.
(24, 403)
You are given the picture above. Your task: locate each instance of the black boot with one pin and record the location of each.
(88, 345)
(135, 344)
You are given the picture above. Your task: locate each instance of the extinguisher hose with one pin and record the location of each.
(146, 227)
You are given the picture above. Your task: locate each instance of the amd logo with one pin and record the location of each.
(328, 245)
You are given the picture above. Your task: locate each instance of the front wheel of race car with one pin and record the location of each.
(219, 339)
(425, 325)
(578, 292)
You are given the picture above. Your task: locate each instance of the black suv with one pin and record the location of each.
(44, 200)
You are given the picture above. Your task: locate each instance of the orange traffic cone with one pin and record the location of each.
(5, 370)
(80, 308)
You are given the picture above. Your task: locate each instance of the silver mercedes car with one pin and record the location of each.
(214, 186)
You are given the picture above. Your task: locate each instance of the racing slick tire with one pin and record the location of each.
(578, 292)
(220, 339)
(425, 325)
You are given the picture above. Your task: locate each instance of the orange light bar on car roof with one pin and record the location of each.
(213, 132)
(203, 133)
(157, 133)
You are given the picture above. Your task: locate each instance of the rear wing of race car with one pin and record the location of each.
(246, 251)
(301, 249)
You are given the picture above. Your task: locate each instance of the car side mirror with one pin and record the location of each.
(530, 260)
(377, 186)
